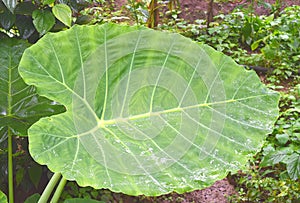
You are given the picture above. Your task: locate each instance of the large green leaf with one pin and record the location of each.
(147, 112)
(20, 106)
(3, 198)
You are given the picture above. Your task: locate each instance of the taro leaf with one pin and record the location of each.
(3, 198)
(20, 106)
(148, 112)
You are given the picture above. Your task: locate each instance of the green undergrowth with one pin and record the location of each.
(274, 175)
(271, 42)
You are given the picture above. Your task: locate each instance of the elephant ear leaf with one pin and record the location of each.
(148, 112)
(20, 105)
(3, 198)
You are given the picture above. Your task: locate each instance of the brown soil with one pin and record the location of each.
(192, 10)
(217, 193)
(197, 9)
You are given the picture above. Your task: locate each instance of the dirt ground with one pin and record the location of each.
(197, 9)
(190, 11)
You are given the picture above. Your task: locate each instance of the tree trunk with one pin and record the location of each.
(210, 13)
(153, 14)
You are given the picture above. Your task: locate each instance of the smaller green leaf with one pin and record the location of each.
(293, 166)
(25, 26)
(2, 7)
(282, 138)
(269, 19)
(33, 198)
(48, 2)
(63, 13)
(7, 19)
(19, 175)
(84, 19)
(10, 4)
(3, 134)
(82, 200)
(269, 52)
(43, 21)
(35, 174)
(276, 157)
(3, 35)
(3, 198)
(255, 44)
(268, 149)
(25, 8)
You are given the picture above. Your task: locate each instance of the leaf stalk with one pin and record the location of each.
(10, 167)
(58, 190)
(49, 188)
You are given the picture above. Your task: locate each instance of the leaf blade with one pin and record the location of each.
(154, 135)
(3, 198)
(20, 106)
(43, 21)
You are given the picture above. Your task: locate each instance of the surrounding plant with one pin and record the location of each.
(152, 12)
(284, 144)
(139, 10)
(273, 43)
(20, 107)
(265, 185)
(29, 20)
(275, 178)
(32, 19)
(280, 47)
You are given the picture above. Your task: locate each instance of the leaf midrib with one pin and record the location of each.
(103, 123)
(9, 94)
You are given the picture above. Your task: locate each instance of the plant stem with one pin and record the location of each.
(10, 137)
(58, 190)
(10, 167)
(48, 190)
